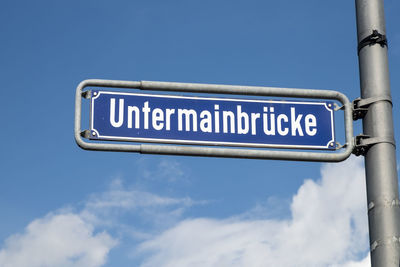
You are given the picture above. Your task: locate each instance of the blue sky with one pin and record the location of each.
(63, 206)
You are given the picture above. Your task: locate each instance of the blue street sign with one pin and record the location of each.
(118, 116)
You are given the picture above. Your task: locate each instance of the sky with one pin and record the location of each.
(64, 206)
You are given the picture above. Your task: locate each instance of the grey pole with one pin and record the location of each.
(380, 158)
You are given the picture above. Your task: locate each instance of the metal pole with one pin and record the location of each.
(380, 158)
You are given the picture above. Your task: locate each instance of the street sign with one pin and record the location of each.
(132, 120)
(138, 117)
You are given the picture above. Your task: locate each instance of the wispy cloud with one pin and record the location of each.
(165, 170)
(119, 200)
(133, 199)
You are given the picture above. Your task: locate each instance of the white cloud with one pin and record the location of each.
(57, 240)
(72, 239)
(362, 263)
(328, 228)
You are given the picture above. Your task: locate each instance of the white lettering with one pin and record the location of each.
(157, 119)
(311, 121)
(242, 121)
(146, 111)
(137, 121)
(112, 113)
(254, 117)
(188, 113)
(279, 119)
(206, 121)
(216, 118)
(295, 122)
(225, 116)
(168, 114)
(270, 131)
(236, 120)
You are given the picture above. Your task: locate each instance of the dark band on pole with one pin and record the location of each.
(374, 38)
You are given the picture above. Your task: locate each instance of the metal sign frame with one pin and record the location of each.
(217, 151)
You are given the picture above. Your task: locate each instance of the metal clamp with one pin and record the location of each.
(358, 111)
(374, 38)
(360, 106)
(363, 142)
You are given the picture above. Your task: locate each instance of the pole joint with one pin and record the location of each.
(383, 202)
(389, 241)
(364, 142)
(372, 39)
(360, 106)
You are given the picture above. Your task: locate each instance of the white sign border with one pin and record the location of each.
(210, 143)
